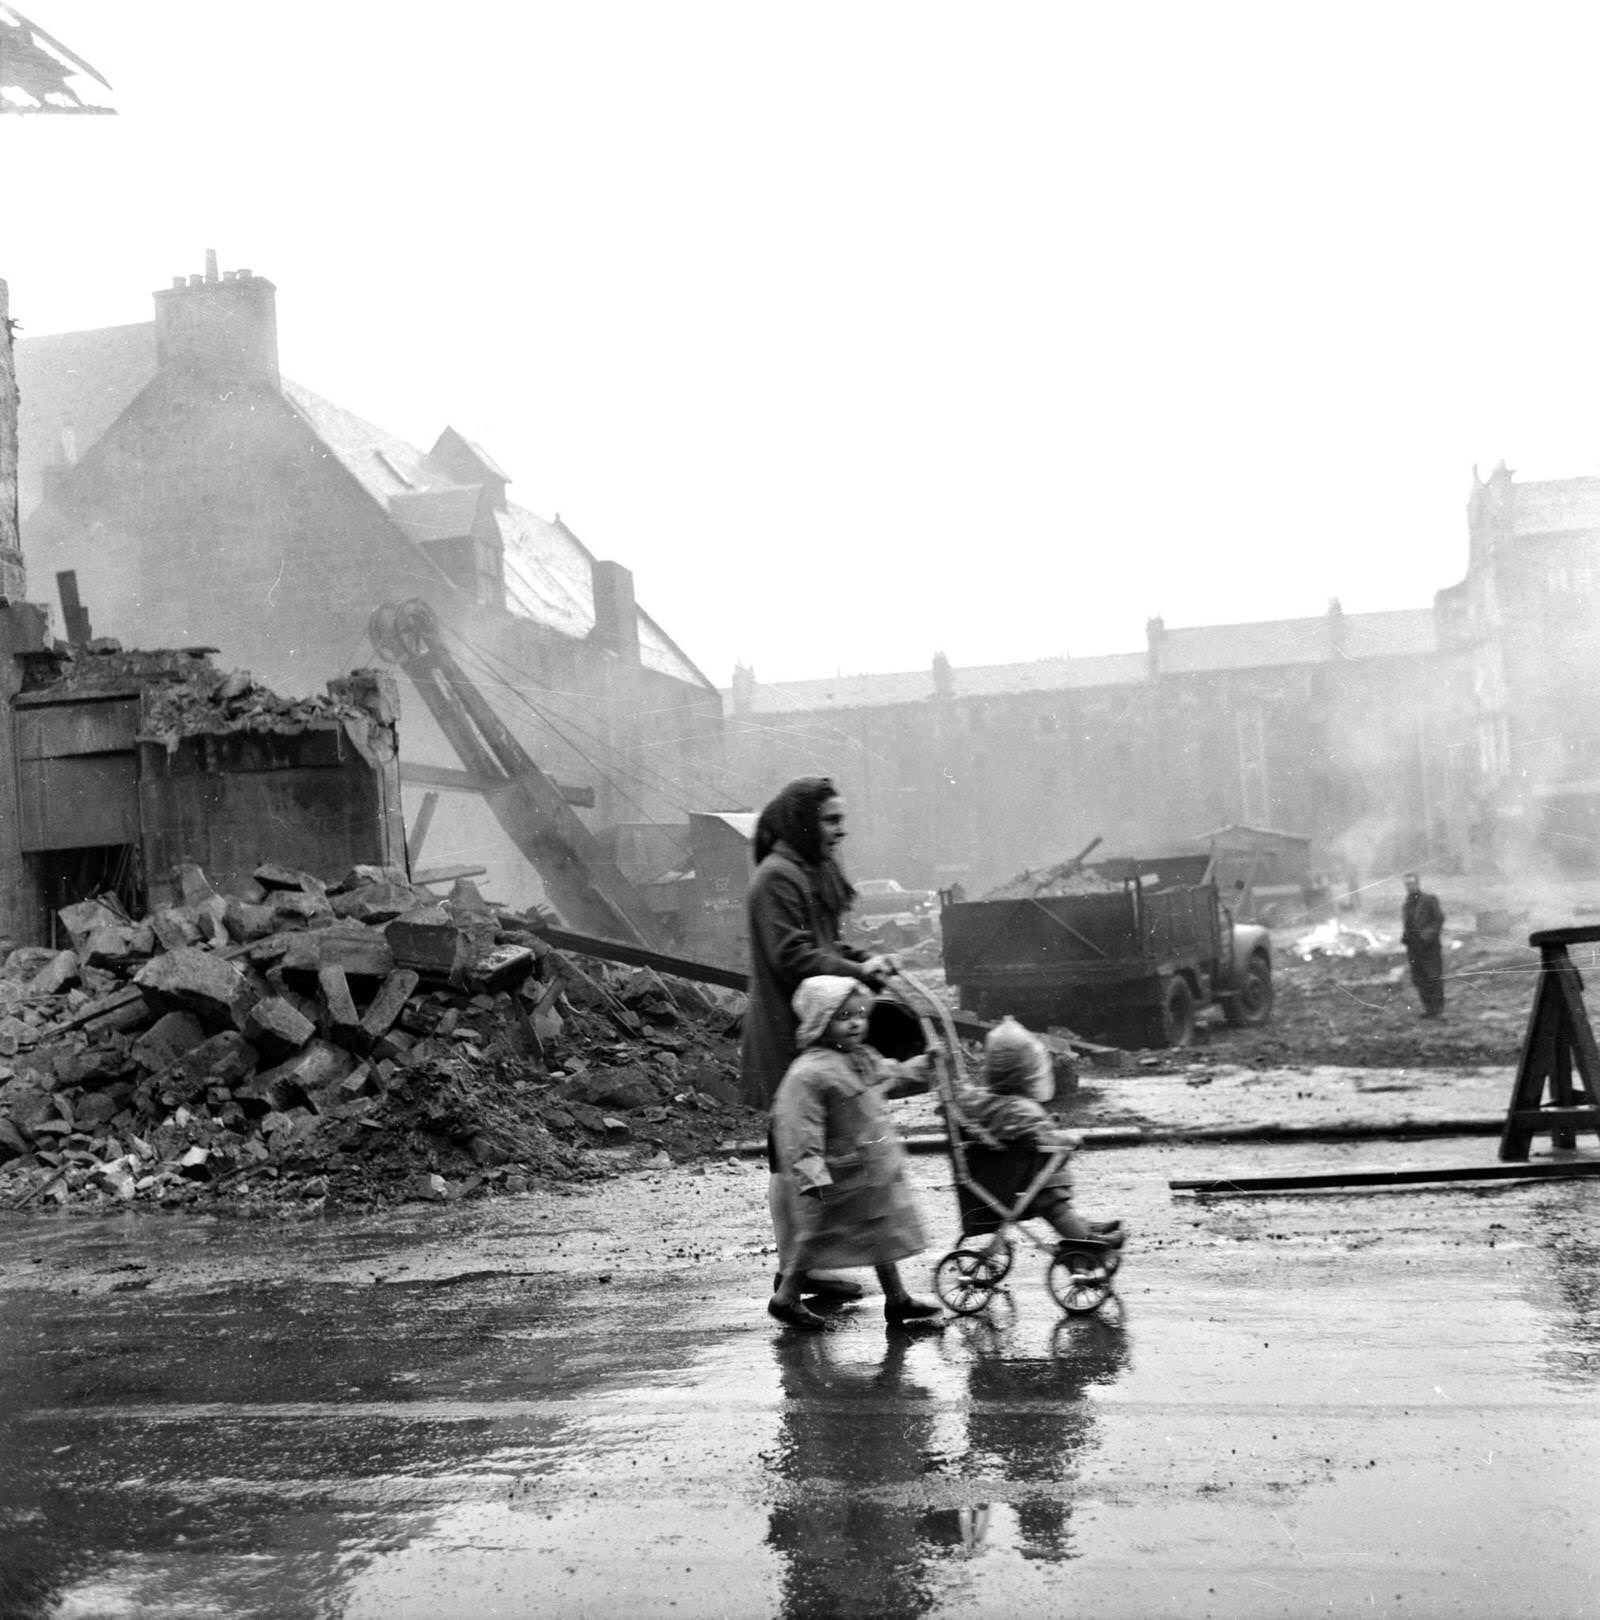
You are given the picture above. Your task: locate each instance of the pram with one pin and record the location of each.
(996, 1185)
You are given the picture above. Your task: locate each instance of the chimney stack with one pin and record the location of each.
(224, 327)
(616, 615)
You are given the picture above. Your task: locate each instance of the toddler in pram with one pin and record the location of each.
(1010, 1162)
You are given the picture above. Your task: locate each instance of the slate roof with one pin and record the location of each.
(916, 686)
(89, 378)
(1273, 643)
(86, 379)
(1408, 632)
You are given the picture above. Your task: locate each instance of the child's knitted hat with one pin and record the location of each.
(1016, 1063)
(818, 999)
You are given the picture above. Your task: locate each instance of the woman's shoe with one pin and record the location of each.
(820, 1285)
(795, 1316)
(910, 1309)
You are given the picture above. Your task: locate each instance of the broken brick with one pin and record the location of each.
(386, 1005)
(175, 928)
(343, 1020)
(277, 1025)
(246, 923)
(504, 968)
(361, 952)
(273, 877)
(375, 902)
(56, 975)
(214, 989)
(427, 939)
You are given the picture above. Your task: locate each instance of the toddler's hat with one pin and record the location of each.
(818, 999)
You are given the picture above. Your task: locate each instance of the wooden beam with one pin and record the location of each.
(611, 950)
(419, 827)
(1551, 1171)
(453, 781)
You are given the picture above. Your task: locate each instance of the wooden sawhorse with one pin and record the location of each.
(1559, 1041)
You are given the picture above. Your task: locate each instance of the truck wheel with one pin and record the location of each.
(1252, 1006)
(1177, 1013)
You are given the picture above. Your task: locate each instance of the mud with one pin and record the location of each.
(573, 1404)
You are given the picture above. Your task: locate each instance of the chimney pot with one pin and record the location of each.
(211, 264)
(197, 281)
(180, 281)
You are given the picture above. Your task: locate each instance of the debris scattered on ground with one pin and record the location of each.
(358, 1044)
(1362, 1011)
(1335, 938)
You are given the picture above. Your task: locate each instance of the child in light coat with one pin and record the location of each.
(839, 1162)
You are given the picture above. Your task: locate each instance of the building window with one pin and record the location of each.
(1570, 579)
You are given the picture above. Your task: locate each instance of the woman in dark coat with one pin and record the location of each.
(794, 909)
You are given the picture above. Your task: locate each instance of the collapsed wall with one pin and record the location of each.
(132, 764)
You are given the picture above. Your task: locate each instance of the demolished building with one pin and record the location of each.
(202, 498)
(131, 766)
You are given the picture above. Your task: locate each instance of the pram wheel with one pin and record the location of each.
(1079, 1280)
(965, 1279)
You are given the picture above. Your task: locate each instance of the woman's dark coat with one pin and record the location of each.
(794, 934)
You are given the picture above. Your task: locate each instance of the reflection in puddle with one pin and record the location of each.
(892, 1468)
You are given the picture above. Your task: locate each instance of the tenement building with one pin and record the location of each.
(201, 498)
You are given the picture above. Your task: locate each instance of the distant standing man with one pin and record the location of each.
(1421, 923)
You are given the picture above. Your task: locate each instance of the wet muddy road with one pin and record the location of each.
(573, 1405)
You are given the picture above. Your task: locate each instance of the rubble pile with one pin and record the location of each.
(204, 700)
(1051, 882)
(358, 1043)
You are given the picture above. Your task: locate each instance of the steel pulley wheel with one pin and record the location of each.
(965, 1279)
(1079, 1281)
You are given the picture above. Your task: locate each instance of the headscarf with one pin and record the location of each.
(792, 818)
(817, 1000)
(1016, 1063)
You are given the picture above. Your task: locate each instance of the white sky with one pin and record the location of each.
(864, 330)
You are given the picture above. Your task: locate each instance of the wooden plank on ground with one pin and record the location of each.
(1307, 1181)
